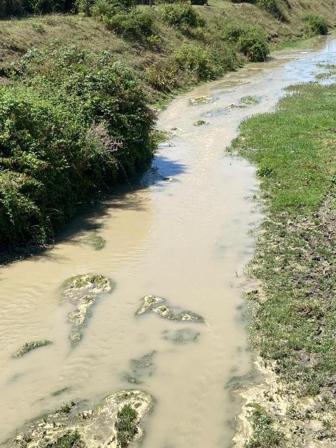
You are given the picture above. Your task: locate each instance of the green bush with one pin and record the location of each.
(182, 15)
(253, 44)
(164, 76)
(196, 60)
(64, 137)
(315, 25)
(250, 40)
(135, 25)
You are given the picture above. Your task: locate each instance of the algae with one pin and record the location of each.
(141, 368)
(95, 241)
(82, 292)
(161, 307)
(201, 100)
(29, 346)
(182, 336)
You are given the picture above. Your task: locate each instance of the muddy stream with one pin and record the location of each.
(186, 236)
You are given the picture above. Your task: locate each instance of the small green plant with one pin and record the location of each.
(264, 434)
(69, 440)
(315, 25)
(126, 426)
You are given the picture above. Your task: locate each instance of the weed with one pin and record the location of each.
(315, 25)
(126, 426)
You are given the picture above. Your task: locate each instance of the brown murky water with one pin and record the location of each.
(186, 236)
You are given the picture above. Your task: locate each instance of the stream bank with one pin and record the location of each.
(293, 323)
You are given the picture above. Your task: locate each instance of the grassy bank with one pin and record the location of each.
(293, 327)
(77, 91)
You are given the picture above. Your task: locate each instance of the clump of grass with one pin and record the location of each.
(29, 346)
(69, 440)
(126, 426)
(264, 433)
(315, 25)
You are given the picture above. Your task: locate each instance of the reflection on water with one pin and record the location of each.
(185, 236)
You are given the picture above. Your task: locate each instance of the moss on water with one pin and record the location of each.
(30, 346)
(161, 307)
(82, 292)
(95, 241)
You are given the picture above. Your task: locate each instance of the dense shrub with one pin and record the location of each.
(196, 60)
(253, 44)
(135, 25)
(202, 63)
(182, 15)
(315, 25)
(250, 40)
(64, 137)
(164, 76)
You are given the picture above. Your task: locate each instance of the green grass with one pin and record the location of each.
(126, 426)
(264, 433)
(295, 317)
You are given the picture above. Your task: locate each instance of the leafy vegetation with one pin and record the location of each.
(295, 318)
(126, 426)
(315, 25)
(264, 434)
(250, 40)
(134, 25)
(69, 440)
(65, 136)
